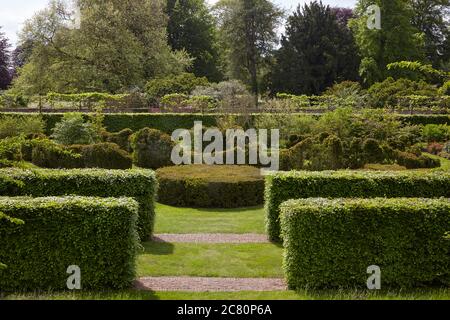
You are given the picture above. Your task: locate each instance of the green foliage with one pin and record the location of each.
(11, 126)
(122, 138)
(445, 89)
(96, 234)
(412, 161)
(11, 149)
(331, 243)
(138, 184)
(47, 154)
(11, 100)
(416, 70)
(436, 133)
(348, 184)
(103, 155)
(74, 130)
(184, 83)
(204, 186)
(152, 148)
(397, 40)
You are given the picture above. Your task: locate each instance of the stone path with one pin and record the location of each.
(210, 284)
(211, 238)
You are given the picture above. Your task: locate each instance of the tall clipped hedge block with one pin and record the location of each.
(331, 242)
(96, 234)
(348, 184)
(138, 184)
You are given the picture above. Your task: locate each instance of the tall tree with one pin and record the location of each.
(432, 18)
(191, 27)
(119, 45)
(248, 29)
(317, 50)
(5, 75)
(397, 39)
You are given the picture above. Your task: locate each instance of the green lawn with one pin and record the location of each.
(445, 163)
(211, 260)
(424, 294)
(183, 220)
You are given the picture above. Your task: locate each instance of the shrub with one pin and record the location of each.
(11, 149)
(445, 89)
(138, 184)
(206, 186)
(435, 148)
(98, 235)
(183, 83)
(104, 155)
(348, 184)
(74, 130)
(152, 148)
(47, 154)
(412, 161)
(122, 138)
(174, 101)
(435, 133)
(11, 126)
(331, 243)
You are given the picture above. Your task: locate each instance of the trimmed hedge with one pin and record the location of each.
(348, 184)
(331, 243)
(96, 234)
(205, 186)
(138, 184)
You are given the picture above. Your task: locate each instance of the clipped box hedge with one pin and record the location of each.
(331, 242)
(348, 184)
(138, 184)
(96, 234)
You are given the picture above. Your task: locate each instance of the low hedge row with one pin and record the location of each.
(284, 186)
(205, 186)
(331, 243)
(96, 234)
(169, 122)
(138, 184)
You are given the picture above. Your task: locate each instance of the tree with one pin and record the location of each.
(397, 40)
(248, 29)
(5, 75)
(191, 27)
(119, 45)
(431, 18)
(317, 50)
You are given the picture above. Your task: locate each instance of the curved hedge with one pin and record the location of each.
(206, 186)
(331, 243)
(96, 234)
(138, 184)
(284, 186)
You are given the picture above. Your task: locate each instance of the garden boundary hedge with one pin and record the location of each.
(138, 184)
(97, 234)
(284, 186)
(169, 122)
(331, 243)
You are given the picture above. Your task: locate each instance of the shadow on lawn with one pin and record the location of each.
(159, 248)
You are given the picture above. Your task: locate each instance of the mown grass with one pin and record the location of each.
(422, 294)
(210, 260)
(183, 220)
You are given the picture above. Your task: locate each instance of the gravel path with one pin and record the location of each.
(210, 284)
(211, 238)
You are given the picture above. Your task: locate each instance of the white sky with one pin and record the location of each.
(14, 12)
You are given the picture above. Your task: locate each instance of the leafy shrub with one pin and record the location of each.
(387, 93)
(152, 148)
(99, 235)
(445, 89)
(138, 184)
(183, 83)
(74, 130)
(122, 138)
(206, 186)
(16, 126)
(11, 101)
(283, 186)
(412, 161)
(47, 154)
(11, 149)
(173, 101)
(103, 155)
(359, 233)
(436, 133)
(435, 148)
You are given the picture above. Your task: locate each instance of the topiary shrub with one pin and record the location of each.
(140, 185)
(103, 155)
(330, 243)
(47, 154)
(122, 139)
(152, 148)
(283, 186)
(411, 161)
(206, 186)
(97, 234)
